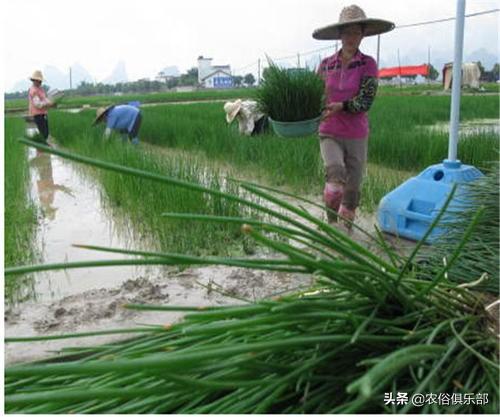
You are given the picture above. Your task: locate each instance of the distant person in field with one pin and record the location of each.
(124, 118)
(350, 88)
(38, 105)
(251, 121)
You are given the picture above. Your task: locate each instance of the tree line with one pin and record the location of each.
(189, 78)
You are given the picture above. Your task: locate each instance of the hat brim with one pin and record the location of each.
(98, 118)
(371, 27)
(36, 79)
(230, 117)
(232, 114)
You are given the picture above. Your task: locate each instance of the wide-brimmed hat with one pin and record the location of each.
(353, 15)
(37, 76)
(99, 114)
(232, 108)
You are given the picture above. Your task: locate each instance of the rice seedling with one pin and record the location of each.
(20, 215)
(294, 164)
(397, 140)
(290, 95)
(479, 261)
(105, 100)
(135, 201)
(372, 327)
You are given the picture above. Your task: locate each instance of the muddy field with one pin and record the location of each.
(84, 300)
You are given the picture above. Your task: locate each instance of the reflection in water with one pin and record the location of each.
(72, 204)
(467, 128)
(46, 188)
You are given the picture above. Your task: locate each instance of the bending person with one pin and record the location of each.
(124, 118)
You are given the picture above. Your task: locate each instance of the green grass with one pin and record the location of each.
(70, 101)
(423, 89)
(138, 203)
(397, 140)
(293, 163)
(103, 100)
(20, 215)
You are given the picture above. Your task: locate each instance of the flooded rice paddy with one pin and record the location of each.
(469, 128)
(73, 210)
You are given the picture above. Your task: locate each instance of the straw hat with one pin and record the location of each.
(37, 76)
(100, 113)
(353, 15)
(232, 108)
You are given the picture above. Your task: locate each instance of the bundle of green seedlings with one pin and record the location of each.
(290, 95)
(373, 327)
(479, 261)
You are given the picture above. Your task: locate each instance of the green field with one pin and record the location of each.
(105, 100)
(200, 146)
(71, 101)
(20, 213)
(375, 321)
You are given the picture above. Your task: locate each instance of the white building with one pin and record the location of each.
(213, 76)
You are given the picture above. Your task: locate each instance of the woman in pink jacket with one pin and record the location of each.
(39, 104)
(350, 87)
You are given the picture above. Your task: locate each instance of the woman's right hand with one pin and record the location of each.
(331, 109)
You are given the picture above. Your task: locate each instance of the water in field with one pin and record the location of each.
(469, 128)
(71, 211)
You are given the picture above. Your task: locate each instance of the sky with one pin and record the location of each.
(149, 35)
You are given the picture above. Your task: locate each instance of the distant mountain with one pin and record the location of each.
(55, 78)
(79, 74)
(119, 75)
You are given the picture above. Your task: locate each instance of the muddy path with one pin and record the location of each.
(82, 300)
(102, 308)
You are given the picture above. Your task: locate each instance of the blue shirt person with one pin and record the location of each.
(124, 118)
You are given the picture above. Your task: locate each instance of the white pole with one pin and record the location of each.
(378, 51)
(258, 72)
(457, 81)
